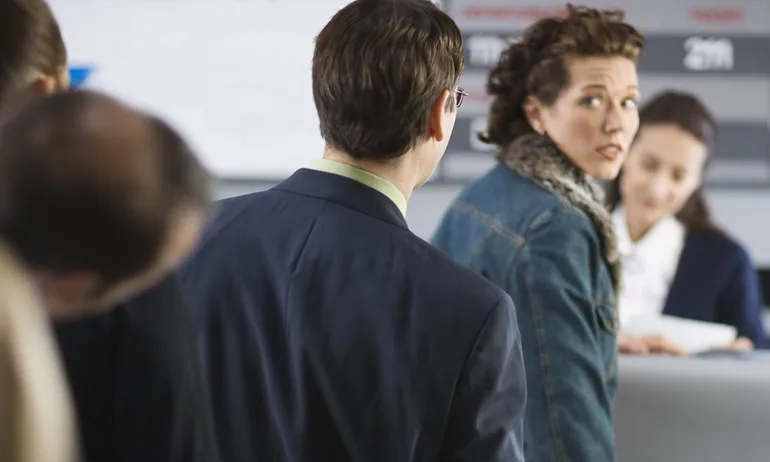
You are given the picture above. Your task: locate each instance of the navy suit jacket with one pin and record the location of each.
(716, 282)
(136, 381)
(331, 332)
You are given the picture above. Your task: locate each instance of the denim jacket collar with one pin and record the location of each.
(536, 157)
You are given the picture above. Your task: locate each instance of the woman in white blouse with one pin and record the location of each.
(675, 260)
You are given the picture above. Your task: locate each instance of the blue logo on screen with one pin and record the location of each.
(79, 75)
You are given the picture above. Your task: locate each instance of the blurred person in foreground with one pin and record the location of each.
(329, 330)
(676, 261)
(134, 371)
(563, 113)
(37, 423)
(97, 202)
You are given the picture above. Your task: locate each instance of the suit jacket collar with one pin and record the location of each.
(345, 192)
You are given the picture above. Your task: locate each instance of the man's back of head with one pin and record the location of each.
(98, 199)
(385, 75)
(33, 58)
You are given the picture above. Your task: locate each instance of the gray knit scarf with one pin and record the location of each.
(536, 157)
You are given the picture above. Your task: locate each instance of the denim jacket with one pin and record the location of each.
(522, 227)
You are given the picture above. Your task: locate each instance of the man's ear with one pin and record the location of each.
(65, 294)
(36, 86)
(43, 85)
(33, 87)
(437, 123)
(533, 110)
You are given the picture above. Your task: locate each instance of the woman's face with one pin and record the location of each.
(595, 118)
(664, 168)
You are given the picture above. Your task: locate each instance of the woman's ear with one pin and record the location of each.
(533, 110)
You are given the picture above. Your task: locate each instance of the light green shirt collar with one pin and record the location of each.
(362, 176)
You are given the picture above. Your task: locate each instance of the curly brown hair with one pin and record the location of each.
(536, 65)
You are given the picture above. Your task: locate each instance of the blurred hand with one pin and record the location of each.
(648, 344)
(740, 344)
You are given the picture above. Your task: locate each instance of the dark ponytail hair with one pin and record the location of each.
(688, 113)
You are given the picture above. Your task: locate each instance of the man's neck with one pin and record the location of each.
(399, 172)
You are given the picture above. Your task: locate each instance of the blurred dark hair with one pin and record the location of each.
(688, 113)
(87, 183)
(537, 64)
(30, 40)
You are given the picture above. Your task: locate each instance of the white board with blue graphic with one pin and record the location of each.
(233, 76)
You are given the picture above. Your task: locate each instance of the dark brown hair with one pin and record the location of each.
(30, 40)
(689, 114)
(378, 68)
(537, 64)
(87, 184)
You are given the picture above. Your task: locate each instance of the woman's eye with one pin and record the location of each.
(591, 101)
(629, 103)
